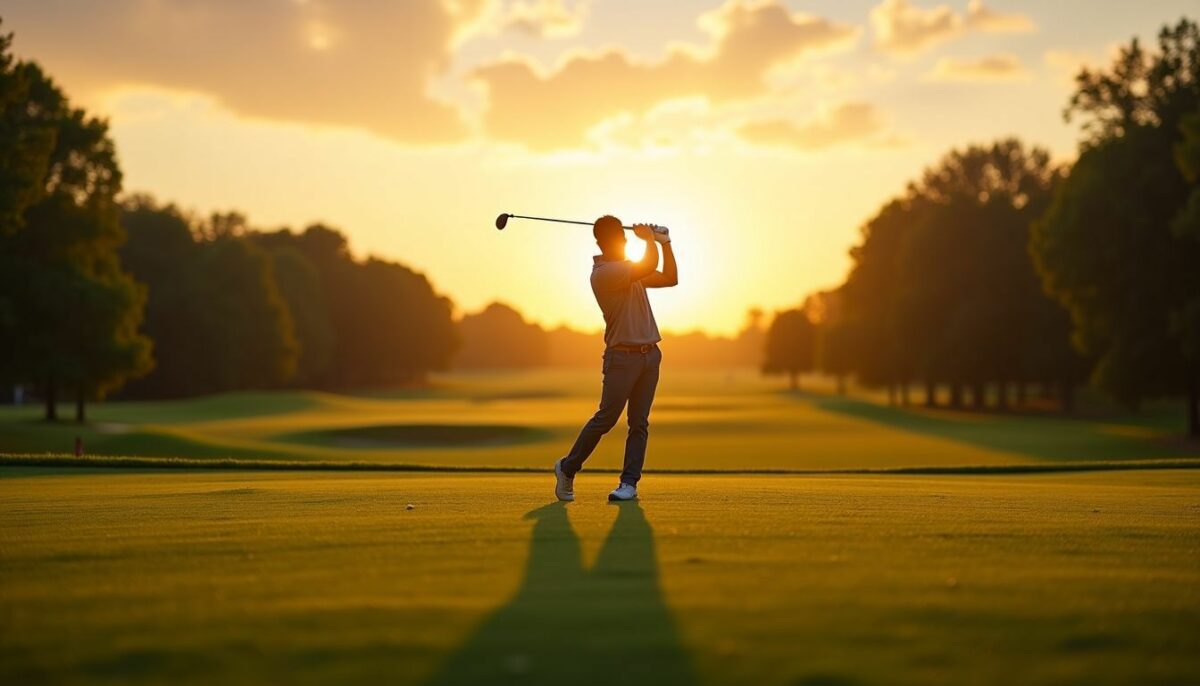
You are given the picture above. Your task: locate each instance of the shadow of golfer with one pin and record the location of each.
(567, 624)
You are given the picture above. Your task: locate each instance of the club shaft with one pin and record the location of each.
(560, 221)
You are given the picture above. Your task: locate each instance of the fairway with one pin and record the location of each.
(220, 577)
(732, 420)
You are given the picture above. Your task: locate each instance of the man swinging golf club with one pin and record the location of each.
(631, 355)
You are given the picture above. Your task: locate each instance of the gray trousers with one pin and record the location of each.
(629, 377)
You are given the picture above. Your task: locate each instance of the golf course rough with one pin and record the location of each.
(125, 576)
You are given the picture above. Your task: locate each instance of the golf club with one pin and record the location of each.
(502, 221)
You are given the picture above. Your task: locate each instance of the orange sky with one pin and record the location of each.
(762, 132)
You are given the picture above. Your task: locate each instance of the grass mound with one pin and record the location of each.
(420, 436)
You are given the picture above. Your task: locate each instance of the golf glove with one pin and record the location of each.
(662, 234)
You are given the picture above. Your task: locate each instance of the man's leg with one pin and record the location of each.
(641, 397)
(620, 373)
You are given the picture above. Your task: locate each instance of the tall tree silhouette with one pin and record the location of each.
(215, 308)
(389, 325)
(790, 346)
(1106, 248)
(943, 289)
(69, 314)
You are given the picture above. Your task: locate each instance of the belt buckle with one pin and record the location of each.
(645, 348)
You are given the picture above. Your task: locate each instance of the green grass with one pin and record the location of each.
(291, 577)
(419, 436)
(702, 421)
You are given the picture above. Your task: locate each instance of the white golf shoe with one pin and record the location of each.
(564, 486)
(623, 492)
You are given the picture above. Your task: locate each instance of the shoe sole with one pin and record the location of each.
(614, 499)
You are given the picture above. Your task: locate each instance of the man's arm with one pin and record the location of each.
(649, 261)
(669, 276)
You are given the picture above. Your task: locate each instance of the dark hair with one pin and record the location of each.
(606, 227)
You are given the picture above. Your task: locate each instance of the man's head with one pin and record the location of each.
(610, 236)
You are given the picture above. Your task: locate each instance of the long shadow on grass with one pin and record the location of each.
(567, 624)
(1040, 438)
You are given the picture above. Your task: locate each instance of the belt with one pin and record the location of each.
(643, 349)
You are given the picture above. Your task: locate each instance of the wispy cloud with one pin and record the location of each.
(846, 123)
(987, 68)
(902, 28)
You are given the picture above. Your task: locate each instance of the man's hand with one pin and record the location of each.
(669, 276)
(649, 261)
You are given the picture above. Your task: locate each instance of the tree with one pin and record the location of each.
(790, 346)
(389, 325)
(300, 285)
(499, 338)
(70, 315)
(824, 310)
(943, 289)
(871, 295)
(215, 309)
(246, 325)
(1114, 246)
(27, 136)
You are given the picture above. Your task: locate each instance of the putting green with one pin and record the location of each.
(225, 577)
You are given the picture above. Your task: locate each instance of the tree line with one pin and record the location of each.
(499, 337)
(99, 292)
(230, 307)
(999, 269)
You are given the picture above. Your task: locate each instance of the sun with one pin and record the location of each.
(635, 248)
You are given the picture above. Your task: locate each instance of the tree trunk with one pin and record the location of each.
(841, 384)
(1022, 393)
(956, 395)
(930, 394)
(891, 391)
(1001, 395)
(1066, 396)
(794, 380)
(51, 400)
(978, 396)
(80, 404)
(904, 393)
(1194, 408)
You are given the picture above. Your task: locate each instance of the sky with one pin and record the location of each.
(764, 133)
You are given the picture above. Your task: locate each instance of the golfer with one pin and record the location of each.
(631, 355)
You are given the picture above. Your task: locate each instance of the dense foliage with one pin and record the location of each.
(942, 290)
(69, 315)
(1120, 247)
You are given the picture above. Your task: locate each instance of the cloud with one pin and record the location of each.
(545, 18)
(855, 122)
(555, 110)
(982, 18)
(902, 28)
(989, 68)
(364, 64)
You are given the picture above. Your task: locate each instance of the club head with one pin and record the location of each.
(502, 221)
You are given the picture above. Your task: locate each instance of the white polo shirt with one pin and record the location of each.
(628, 319)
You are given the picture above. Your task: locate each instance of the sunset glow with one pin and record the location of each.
(763, 133)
